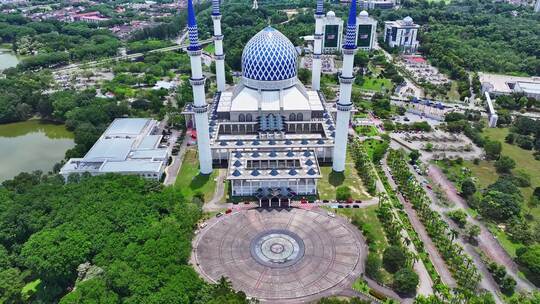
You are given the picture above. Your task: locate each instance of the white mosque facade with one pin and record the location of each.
(270, 131)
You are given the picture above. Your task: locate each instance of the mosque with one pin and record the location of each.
(270, 131)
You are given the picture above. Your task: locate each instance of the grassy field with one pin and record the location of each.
(485, 174)
(330, 181)
(210, 48)
(376, 84)
(366, 130)
(191, 182)
(366, 220)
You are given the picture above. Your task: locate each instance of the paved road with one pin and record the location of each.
(215, 203)
(425, 286)
(130, 56)
(174, 168)
(435, 257)
(486, 242)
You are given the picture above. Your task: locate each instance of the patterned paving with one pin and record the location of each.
(331, 258)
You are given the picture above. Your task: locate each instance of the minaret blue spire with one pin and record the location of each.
(350, 34)
(320, 8)
(193, 31)
(215, 7)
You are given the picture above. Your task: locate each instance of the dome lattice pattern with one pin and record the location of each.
(269, 56)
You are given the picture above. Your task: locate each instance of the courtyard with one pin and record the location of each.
(281, 255)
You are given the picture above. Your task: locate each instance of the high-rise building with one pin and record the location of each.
(332, 33)
(402, 34)
(366, 31)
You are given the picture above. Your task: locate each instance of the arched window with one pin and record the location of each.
(249, 118)
(292, 117)
(300, 117)
(242, 117)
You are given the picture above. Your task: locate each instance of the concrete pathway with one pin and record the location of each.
(215, 204)
(486, 241)
(173, 169)
(434, 255)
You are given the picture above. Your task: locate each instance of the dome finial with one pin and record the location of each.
(350, 34)
(193, 30)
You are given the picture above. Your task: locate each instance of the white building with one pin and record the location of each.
(376, 4)
(497, 85)
(402, 34)
(128, 146)
(366, 31)
(270, 131)
(332, 33)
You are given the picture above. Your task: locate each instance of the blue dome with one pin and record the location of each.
(269, 56)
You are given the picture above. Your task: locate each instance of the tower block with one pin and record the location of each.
(344, 104)
(197, 81)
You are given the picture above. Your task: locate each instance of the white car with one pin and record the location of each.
(330, 214)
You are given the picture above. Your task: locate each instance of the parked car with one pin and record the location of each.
(219, 214)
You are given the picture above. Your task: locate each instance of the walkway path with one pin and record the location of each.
(435, 257)
(486, 242)
(215, 203)
(425, 286)
(173, 169)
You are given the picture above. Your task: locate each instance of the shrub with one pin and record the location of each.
(405, 281)
(343, 193)
(459, 217)
(373, 266)
(394, 258)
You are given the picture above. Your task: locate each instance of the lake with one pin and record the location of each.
(32, 145)
(7, 59)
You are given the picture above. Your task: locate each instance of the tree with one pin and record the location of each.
(493, 149)
(304, 75)
(406, 281)
(529, 257)
(414, 156)
(459, 217)
(473, 231)
(91, 291)
(394, 258)
(373, 266)
(468, 188)
(343, 193)
(505, 164)
(11, 284)
(500, 206)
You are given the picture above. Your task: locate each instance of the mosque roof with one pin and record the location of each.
(269, 56)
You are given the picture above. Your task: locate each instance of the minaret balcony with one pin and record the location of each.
(200, 109)
(219, 57)
(218, 37)
(197, 82)
(346, 80)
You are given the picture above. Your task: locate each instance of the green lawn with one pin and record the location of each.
(30, 288)
(330, 181)
(191, 182)
(485, 175)
(376, 84)
(366, 130)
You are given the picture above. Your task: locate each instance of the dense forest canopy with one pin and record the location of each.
(476, 35)
(134, 234)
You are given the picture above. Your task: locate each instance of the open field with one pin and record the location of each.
(190, 182)
(330, 181)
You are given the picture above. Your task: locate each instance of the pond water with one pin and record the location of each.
(7, 59)
(32, 145)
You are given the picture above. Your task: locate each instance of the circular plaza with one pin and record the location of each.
(281, 255)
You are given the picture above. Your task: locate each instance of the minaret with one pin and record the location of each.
(344, 104)
(255, 5)
(218, 41)
(537, 6)
(317, 47)
(197, 81)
